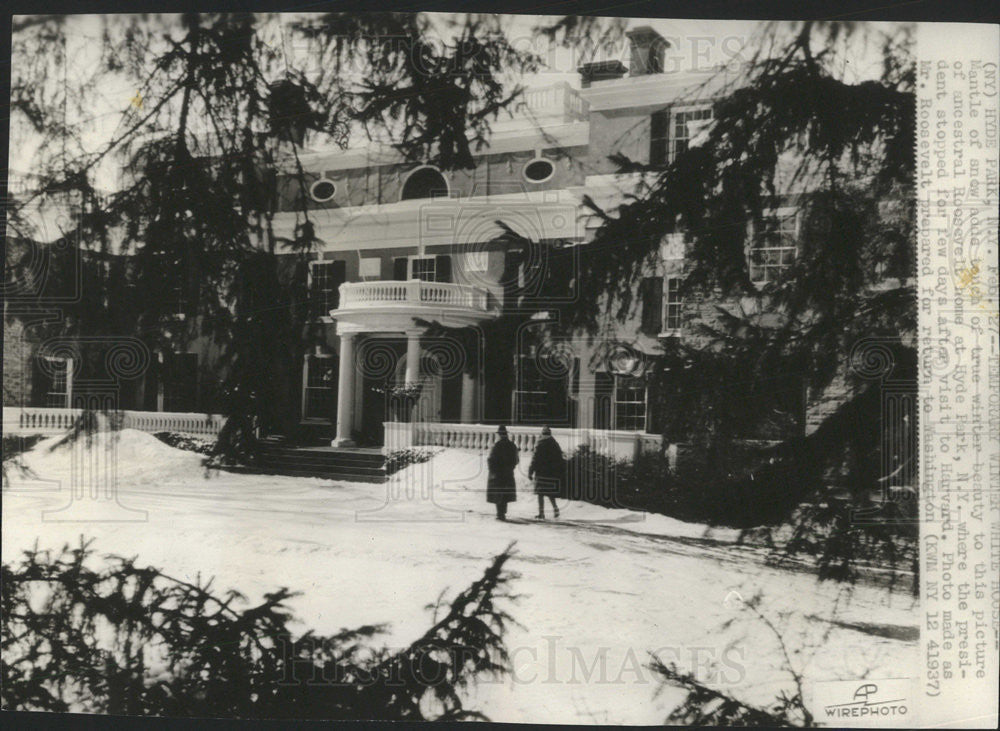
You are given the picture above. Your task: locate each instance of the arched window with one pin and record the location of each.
(424, 182)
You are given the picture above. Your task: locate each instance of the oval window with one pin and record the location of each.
(322, 190)
(539, 170)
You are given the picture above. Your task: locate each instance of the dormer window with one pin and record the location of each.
(773, 251)
(424, 182)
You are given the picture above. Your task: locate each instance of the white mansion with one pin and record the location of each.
(409, 253)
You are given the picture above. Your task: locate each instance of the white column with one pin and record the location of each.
(69, 383)
(305, 381)
(586, 397)
(345, 392)
(412, 357)
(468, 415)
(159, 383)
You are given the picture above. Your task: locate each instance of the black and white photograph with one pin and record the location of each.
(424, 366)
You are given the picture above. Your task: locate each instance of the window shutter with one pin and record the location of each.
(658, 126)
(575, 395)
(338, 276)
(442, 267)
(399, 268)
(191, 272)
(652, 305)
(604, 393)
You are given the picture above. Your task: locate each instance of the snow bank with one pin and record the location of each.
(135, 455)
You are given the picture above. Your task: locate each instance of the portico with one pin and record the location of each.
(372, 310)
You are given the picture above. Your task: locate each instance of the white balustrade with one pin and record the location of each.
(621, 444)
(49, 421)
(413, 292)
(557, 99)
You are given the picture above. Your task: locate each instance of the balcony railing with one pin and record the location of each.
(413, 293)
(557, 100)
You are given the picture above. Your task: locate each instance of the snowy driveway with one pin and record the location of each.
(598, 590)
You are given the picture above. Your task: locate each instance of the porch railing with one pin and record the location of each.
(620, 444)
(49, 421)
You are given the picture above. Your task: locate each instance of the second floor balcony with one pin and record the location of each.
(394, 305)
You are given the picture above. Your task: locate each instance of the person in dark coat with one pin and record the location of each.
(547, 470)
(500, 486)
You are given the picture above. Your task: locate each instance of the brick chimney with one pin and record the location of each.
(648, 49)
(600, 71)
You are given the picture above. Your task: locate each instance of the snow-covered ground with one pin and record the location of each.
(599, 589)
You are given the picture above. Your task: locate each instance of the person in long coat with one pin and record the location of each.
(500, 486)
(547, 470)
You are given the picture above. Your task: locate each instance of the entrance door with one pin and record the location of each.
(379, 358)
(428, 406)
(373, 412)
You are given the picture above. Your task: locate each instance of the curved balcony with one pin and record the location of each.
(389, 306)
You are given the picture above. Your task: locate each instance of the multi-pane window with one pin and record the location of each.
(177, 299)
(687, 124)
(320, 393)
(57, 387)
(324, 286)
(180, 382)
(544, 380)
(423, 269)
(531, 394)
(772, 252)
(673, 305)
(630, 403)
(672, 130)
(169, 284)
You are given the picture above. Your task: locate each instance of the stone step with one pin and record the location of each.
(352, 465)
(319, 457)
(329, 474)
